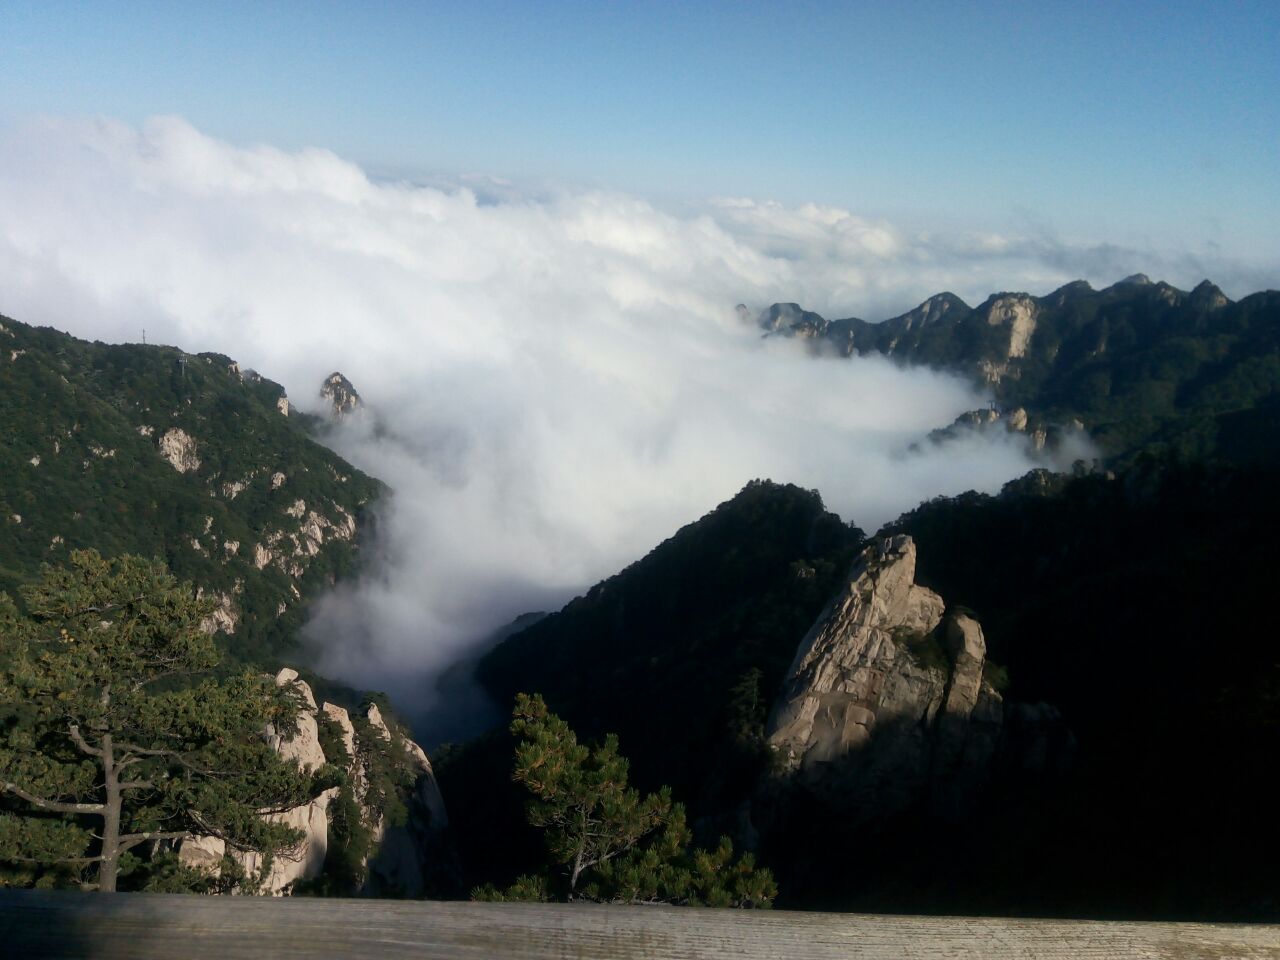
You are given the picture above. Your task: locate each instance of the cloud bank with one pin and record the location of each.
(562, 375)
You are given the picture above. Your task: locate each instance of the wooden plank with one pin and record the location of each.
(156, 927)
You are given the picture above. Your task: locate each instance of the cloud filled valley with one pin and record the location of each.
(554, 382)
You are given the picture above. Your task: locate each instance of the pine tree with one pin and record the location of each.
(117, 733)
(610, 843)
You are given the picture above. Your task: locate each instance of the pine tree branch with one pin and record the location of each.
(80, 742)
(208, 828)
(105, 608)
(53, 806)
(130, 840)
(138, 752)
(80, 860)
(137, 785)
(154, 677)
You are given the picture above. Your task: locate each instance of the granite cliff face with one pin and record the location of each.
(401, 858)
(887, 703)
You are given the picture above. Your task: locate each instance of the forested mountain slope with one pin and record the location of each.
(145, 449)
(678, 654)
(1128, 619)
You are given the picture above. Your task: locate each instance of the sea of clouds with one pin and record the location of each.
(560, 374)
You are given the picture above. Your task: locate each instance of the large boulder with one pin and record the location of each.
(886, 703)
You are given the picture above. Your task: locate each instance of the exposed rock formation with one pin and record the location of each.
(401, 861)
(1017, 313)
(342, 396)
(179, 449)
(224, 616)
(886, 704)
(1041, 434)
(307, 859)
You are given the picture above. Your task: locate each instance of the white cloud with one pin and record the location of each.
(565, 377)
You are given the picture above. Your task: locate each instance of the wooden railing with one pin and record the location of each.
(155, 927)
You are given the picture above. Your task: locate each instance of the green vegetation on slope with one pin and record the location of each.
(607, 843)
(80, 435)
(115, 737)
(679, 655)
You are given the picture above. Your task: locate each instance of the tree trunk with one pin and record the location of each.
(110, 865)
(577, 859)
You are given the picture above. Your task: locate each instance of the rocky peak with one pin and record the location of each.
(341, 394)
(933, 310)
(1207, 296)
(792, 320)
(886, 702)
(1135, 280)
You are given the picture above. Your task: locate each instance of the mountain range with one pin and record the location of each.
(1140, 366)
(1061, 699)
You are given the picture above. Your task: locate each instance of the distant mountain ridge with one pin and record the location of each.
(1142, 364)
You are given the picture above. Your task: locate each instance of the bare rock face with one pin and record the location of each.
(405, 853)
(342, 396)
(224, 617)
(303, 747)
(306, 859)
(886, 703)
(1017, 313)
(340, 716)
(401, 864)
(180, 449)
(401, 861)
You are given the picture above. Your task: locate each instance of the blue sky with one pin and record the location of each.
(1154, 125)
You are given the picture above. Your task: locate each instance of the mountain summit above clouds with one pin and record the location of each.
(341, 394)
(1141, 365)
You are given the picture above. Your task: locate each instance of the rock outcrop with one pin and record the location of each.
(179, 448)
(886, 704)
(402, 864)
(1017, 314)
(401, 858)
(1042, 435)
(307, 859)
(341, 394)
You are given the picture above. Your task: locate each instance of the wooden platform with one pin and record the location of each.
(154, 927)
